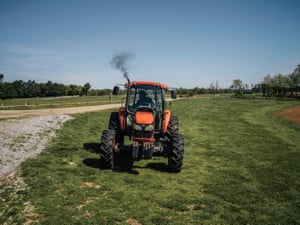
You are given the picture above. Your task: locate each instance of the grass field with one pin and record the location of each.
(241, 166)
(63, 101)
(30, 103)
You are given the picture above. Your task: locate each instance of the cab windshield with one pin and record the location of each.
(145, 96)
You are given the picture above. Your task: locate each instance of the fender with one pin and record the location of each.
(122, 118)
(167, 117)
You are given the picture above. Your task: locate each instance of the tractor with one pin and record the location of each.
(151, 128)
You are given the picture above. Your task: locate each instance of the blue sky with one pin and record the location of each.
(181, 43)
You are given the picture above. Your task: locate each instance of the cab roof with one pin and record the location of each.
(154, 84)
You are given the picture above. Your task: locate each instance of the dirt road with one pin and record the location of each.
(54, 111)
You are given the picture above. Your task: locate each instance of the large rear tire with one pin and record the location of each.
(107, 149)
(175, 157)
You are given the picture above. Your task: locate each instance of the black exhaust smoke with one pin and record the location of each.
(120, 62)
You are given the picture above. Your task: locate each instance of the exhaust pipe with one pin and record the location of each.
(126, 77)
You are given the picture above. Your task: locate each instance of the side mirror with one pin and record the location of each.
(116, 90)
(173, 94)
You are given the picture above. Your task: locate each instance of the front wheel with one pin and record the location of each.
(114, 124)
(175, 157)
(107, 149)
(172, 127)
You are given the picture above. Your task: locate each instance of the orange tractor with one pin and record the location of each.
(152, 129)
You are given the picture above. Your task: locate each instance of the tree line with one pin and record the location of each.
(282, 85)
(31, 89)
(278, 85)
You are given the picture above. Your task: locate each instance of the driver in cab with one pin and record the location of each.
(144, 100)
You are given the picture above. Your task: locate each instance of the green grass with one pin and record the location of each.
(29, 103)
(241, 166)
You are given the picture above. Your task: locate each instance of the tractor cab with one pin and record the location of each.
(145, 97)
(146, 100)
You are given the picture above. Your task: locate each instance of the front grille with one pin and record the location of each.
(142, 134)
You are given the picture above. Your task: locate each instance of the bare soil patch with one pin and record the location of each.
(292, 114)
(132, 221)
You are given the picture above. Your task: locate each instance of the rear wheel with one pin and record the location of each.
(175, 157)
(107, 149)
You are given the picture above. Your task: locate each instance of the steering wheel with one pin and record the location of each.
(144, 108)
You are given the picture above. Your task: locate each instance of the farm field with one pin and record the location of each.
(241, 166)
(54, 102)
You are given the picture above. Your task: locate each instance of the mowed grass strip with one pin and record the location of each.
(241, 166)
(55, 102)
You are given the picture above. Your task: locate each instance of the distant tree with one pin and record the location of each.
(196, 91)
(19, 86)
(211, 88)
(297, 70)
(284, 84)
(7, 90)
(237, 86)
(48, 91)
(86, 88)
(295, 79)
(256, 88)
(61, 89)
(280, 85)
(1, 86)
(202, 91)
(32, 89)
(182, 92)
(267, 85)
(73, 89)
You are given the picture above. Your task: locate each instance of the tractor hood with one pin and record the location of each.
(142, 117)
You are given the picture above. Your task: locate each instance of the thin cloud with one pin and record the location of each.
(28, 57)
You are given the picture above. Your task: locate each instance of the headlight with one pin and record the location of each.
(137, 127)
(149, 127)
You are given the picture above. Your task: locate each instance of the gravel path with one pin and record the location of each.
(24, 138)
